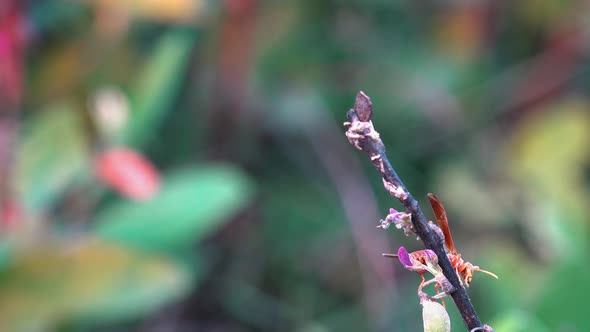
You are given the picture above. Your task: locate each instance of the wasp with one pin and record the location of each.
(463, 269)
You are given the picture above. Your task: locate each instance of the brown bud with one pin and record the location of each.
(363, 107)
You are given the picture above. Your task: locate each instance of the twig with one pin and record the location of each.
(362, 135)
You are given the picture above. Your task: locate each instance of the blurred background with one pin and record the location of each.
(181, 165)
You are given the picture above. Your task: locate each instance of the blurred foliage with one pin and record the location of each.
(265, 217)
(87, 280)
(168, 221)
(54, 149)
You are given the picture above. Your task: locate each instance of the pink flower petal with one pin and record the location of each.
(431, 256)
(404, 257)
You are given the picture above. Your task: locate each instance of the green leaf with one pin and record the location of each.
(191, 204)
(435, 317)
(53, 151)
(158, 86)
(90, 281)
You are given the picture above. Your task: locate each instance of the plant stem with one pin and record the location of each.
(363, 136)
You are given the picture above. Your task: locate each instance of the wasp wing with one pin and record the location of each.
(443, 223)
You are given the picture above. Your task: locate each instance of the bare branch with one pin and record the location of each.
(362, 135)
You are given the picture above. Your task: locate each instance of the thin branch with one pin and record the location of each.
(362, 135)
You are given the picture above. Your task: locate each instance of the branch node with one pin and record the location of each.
(358, 131)
(395, 191)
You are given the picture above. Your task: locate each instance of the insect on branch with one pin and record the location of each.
(362, 135)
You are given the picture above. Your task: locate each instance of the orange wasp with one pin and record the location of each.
(463, 269)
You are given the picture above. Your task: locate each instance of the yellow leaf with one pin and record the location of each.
(172, 11)
(550, 150)
(91, 280)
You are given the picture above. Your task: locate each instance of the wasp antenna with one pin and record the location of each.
(488, 273)
(390, 255)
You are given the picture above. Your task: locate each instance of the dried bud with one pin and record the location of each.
(363, 107)
(402, 220)
(436, 318)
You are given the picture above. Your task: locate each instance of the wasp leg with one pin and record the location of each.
(459, 277)
(437, 287)
(424, 284)
(421, 283)
(438, 295)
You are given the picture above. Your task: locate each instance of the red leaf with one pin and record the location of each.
(128, 172)
(12, 45)
(10, 214)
